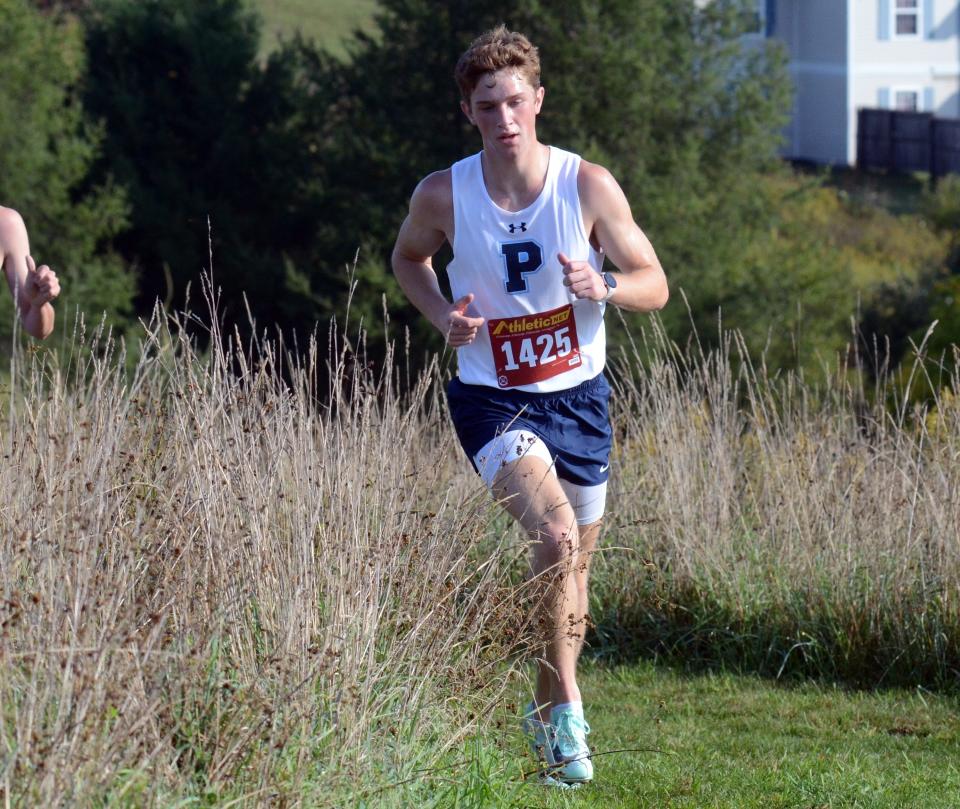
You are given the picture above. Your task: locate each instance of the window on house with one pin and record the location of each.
(906, 100)
(906, 18)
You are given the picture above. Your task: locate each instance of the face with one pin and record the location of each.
(504, 107)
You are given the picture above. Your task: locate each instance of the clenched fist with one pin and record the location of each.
(584, 281)
(461, 327)
(41, 285)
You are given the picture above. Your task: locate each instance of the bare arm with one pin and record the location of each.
(32, 288)
(422, 234)
(641, 283)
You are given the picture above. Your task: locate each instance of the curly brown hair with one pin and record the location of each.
(494, 50)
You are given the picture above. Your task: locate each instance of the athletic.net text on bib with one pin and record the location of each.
(531, 348)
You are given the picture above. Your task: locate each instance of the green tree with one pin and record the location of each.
(198, 131)
(942, 211)
(898, 312)
(304, 160)
(47, 148)
(167, 79)
(381, 121)
(672, 97)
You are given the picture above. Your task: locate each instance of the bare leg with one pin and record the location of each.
(589, 534)
(533, 496)
(581, 572)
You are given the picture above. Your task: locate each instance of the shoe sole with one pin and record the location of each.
(556, 783)
(555, 772)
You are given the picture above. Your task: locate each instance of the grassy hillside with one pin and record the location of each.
(720, 740)
(227, 581)
(327, 21)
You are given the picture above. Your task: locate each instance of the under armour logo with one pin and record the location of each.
(522, 227)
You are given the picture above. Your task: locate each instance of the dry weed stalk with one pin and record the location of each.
(215, 579)
(219, 580)
(783, 524)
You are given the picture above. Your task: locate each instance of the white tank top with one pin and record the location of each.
(537, 336)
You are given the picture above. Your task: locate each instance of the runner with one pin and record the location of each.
(32, 287)
(529, 225)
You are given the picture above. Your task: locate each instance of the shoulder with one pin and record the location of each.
(601, 197)
(10, 221)
(431, 204)
(597, 186)
(434, 193)
(13, 233)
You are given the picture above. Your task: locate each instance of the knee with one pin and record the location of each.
(556, 542)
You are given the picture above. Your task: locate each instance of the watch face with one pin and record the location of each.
(609, 280)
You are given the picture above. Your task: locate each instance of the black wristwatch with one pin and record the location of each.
(611, 282)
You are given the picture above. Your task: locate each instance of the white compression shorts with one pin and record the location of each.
(588, 502)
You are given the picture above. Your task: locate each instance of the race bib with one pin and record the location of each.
(531, 348)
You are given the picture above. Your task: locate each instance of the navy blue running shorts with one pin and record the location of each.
(573, 423)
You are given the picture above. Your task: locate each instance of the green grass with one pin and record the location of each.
(329, 22)
(722, 740)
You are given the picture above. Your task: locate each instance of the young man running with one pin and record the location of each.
(529, 225)
(32, 288)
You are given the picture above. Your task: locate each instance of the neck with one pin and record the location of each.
(516, 181)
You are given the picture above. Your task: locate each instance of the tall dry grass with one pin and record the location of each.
(220, 581)
(224, 578)
(786, 525)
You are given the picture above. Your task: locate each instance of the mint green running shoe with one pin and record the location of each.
(570, 753)
(539, 736)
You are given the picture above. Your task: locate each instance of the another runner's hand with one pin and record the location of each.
(461, 327)
(41, 285)
(583, 280)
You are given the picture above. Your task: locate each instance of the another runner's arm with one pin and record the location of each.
(421, 236)
(32, 287)
(641, 283)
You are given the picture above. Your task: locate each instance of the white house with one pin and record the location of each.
(850, 54)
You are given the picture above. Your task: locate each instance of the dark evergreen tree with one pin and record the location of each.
(167, 80)
(199, 130)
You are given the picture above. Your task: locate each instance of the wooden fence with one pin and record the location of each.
(908, 141)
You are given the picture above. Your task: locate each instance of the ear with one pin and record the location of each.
(465, 108)
(538, 98)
